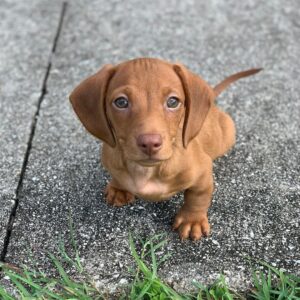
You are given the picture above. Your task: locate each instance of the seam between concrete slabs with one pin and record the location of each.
(10, 224)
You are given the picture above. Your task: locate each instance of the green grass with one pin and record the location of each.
(268, 284)
(275, 284)
(30, 284)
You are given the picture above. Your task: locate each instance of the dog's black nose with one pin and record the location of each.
(149, 143)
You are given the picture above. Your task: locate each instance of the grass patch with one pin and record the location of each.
(275, 284)
(268, 284)
(147, 284)
(32, 284)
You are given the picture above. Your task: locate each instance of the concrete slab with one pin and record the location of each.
(256, 208)
(27, 30)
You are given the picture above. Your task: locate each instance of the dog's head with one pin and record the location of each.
(144, 106)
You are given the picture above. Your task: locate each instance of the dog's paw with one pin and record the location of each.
(191, 224)
(116, 197)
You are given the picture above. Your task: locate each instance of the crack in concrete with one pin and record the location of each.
(31, 136)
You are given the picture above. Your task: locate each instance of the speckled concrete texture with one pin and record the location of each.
(27, 29)
(255, 210)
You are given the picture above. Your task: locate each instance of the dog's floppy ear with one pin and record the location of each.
(88, 101)
(198, 99)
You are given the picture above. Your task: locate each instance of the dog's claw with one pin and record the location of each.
(116, 197)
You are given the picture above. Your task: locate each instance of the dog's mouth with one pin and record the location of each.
(150, 162)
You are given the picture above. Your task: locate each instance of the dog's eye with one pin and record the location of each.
(121, 102)
(173, 102)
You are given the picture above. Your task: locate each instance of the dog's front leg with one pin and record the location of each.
(116, 196)
(191, 220)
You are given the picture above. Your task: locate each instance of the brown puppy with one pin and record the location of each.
(161, 131)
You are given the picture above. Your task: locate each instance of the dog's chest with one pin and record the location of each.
(145, 182)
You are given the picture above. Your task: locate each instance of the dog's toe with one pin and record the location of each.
(196, 232)
(184, 231)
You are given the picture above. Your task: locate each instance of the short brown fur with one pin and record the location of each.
(178, 144)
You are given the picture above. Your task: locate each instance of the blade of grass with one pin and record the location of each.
(156, 246)
(74, 244)
(60, 269)
(154, 263)
(21, 288)
(4, 295)
(164, 258)
(17, 277)
(142, 266)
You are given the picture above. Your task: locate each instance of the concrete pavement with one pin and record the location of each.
(27, 30)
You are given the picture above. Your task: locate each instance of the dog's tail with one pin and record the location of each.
(219, 88)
